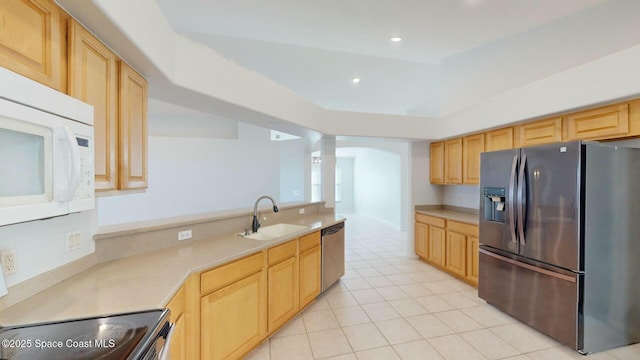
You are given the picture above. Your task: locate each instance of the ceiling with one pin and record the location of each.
(317, 48)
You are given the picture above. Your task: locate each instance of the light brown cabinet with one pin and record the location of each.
(422, 235)
(177, 306)
(119, 97)
(93, 78)
(456, 253)
(310, 268)
(449, 245)
(436, 245)
(539, 132)
(499, 139)
(233, 308)
(472, 147)
(430, 238)
(436, 162)
(453, 161)
(283, 289)
(473, 258)
(242, 302)
(603, 122)
(33, 41)
(132, 129)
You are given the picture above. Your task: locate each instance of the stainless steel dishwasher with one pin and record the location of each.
(332, 255)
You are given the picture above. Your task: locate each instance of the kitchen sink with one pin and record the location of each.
(275, 231)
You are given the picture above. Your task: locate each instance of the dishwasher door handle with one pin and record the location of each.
(333, 229)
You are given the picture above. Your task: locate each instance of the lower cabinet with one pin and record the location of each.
(456, 251)
(473, 258)
(284, 295)
(234, 318)
(449, 245)
(422, 235)
(178, 345)
(224, 312)
(436, 243)
(310, 268)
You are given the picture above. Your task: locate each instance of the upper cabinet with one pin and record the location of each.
(133, 129)
(604, 122)
(119, 97)
(436, 162)
(453, 161)
(499, 139)
(539, 132)
(472, 146)
(32, 41)
(93, 78)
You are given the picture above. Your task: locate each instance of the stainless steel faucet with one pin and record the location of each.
(256, 224)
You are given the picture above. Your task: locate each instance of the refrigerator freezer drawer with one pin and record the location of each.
(543, 299)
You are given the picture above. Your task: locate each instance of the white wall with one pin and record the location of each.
(292, 170)
(40, 244)
(422, 192)
(377, 190)
(346, 205)
(199, 175)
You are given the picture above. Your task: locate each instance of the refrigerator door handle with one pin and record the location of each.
(522, 206)
(510, 203)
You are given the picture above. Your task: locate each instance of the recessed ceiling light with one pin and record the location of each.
(356, 80)
(396, 39)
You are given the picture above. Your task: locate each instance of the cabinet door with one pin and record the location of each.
(472, 259)
(436, 242)
(436, 163)
(33, 41)
(133, 129)
(605, 122)
(178, 347)
(283, 292)
(539, 132)
(421, 233)
(177, 305)
(234, 318)
(456, 250)
(453, 161)
(93, 78)
(499, 139)
(472, 146)
(310, 275)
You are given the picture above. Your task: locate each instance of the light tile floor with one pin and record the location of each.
(388, 306)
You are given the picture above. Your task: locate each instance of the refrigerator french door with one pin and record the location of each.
(557, 231)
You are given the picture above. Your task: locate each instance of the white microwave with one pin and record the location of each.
(46, 151)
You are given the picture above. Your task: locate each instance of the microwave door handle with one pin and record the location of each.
(66, 192)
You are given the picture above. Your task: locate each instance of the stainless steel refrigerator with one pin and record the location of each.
(560, 241)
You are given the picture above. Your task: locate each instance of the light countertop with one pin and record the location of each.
(143, 281)
(465, 217)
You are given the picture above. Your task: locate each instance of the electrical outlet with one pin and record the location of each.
(73, 240)
(8, 259)
(301, 211)
(184, 235)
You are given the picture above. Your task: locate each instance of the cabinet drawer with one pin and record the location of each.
(462, 228)
(309, 241)
(430, 220)
(282, 252)
(227, 274)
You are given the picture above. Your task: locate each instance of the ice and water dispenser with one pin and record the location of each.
(494, 204)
